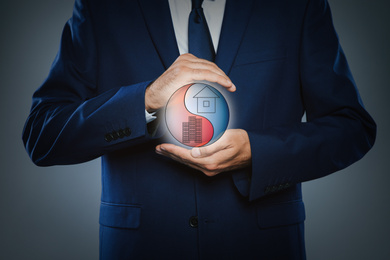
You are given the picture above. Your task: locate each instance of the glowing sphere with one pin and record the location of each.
(197, 115)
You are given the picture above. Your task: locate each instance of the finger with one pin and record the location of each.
(210, 165)
(179, 154)
(175, 152)
(191, 60)
(171, 148)
(173, 156)
(200, 66)
(208, 169)
(183, 155)
(207, 151)
(221, 144)
(204, 64)
(205, 74)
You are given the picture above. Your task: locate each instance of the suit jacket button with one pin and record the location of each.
(194, 221)
(108, 137)
(114, 135)
(127, 131)
(121, 133)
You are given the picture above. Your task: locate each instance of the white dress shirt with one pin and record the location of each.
(180, 12)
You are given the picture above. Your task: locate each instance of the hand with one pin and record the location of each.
(186, 69)
(232, 151)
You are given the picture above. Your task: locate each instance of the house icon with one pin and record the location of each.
(206, 100)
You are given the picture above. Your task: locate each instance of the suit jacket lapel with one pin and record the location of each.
(237, 14)
(159, 23)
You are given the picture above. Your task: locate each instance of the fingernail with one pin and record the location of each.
(233, 87)
(159, 149)
(195, 152)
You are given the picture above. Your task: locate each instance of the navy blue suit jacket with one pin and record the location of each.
(285, 59)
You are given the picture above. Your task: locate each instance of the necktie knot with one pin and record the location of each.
(196, 4)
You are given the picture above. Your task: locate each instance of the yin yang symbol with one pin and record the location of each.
(197, 115)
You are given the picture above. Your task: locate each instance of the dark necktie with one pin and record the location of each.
(199, 38)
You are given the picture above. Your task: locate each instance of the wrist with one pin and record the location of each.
(149, 100)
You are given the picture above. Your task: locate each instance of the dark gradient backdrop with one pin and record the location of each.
(52, 213)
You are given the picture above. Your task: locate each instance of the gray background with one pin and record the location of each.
(52, 213)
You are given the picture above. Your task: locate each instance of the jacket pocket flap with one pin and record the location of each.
(121, 216)
(281, 214)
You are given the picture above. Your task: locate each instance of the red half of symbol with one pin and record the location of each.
(187, 128)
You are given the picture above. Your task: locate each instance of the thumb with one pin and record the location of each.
(205, 151)
(196, 152)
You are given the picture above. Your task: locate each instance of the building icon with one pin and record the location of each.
(206, 100)
(192, 130)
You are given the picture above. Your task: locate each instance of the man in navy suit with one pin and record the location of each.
(239, 198)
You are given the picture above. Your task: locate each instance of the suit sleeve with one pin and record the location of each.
(70, 122)
(338, 130)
